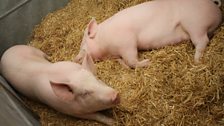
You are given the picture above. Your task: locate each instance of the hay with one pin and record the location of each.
(171, 91)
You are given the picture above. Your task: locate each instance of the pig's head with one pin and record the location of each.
(81, 89)
(89, 37)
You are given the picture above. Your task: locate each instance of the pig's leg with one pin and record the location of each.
(200, 43)
(122, 63)
(198, 32)
(130, 57)
(46, 57)
(98, 117)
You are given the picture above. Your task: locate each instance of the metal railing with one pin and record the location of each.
(14, 8)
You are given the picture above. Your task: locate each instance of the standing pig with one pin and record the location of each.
(150, 25)
(66, 86)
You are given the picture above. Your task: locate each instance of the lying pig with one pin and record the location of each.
(150, 25)
(66, 86)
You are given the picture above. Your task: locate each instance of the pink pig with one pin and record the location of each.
(150, 25)
(66, 86)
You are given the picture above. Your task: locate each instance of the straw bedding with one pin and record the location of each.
(172, 90)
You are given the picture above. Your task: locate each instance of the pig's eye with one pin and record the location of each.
(70, 90)
(86, 93)
(80, 60)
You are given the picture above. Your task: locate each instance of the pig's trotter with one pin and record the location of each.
(200, 45)
(130, 58)
(109, 121)
(104, 119)
(98, 117)
(122, 63)
(47, 57)
(143, 63)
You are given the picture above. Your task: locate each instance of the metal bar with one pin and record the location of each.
(14, 8)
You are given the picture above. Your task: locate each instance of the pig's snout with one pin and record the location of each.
(115, 98)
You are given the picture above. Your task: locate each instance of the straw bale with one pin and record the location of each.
(172, 90)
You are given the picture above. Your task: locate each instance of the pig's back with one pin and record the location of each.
(175, 20)
(146, 23)
(198, 14)
(134, 18)
(21, 58)
(162, 27)
(20, 64)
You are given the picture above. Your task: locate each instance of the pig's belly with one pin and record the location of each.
(161, 38)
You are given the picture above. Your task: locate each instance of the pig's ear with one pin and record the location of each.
(88, 64)
(80, 56)
(63, 91)
(92, 28)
